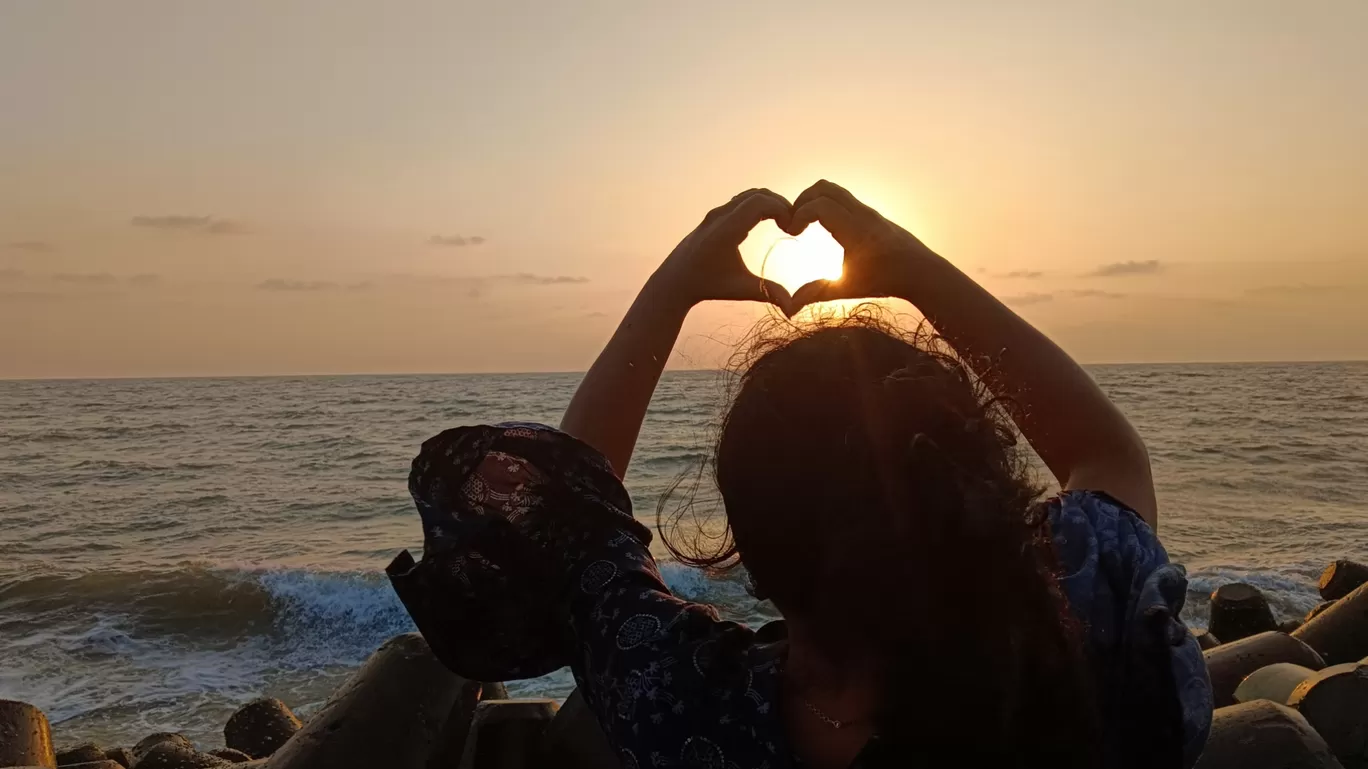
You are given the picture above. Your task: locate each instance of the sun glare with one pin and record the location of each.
(793, 261)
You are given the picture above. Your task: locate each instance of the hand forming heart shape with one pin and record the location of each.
(708, 264)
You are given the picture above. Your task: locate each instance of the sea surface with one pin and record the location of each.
(171, 548)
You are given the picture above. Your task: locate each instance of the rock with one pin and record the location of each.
(450, 745)
(1239, 611)
(171, 754)
(507, 734)
(391, 713)
(260, 727)
(1342, 578)
(25, 738)
(1316, 610)
(575, 738)
(81, 754)
(1205, 639)
(231, 755)
(1274, 683)
(123, 756)
(1340, 633)
(1264, 735)
(153, 740)
(1229, 663)
(103, 763)
(1289, 626)
(1335, 703)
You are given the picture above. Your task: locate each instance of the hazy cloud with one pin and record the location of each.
(144, 279)
(1025, 299)
(1092, 293)
(31, 246)
(30, 296)
(528, 278)
(455, 241)
(176, 222)
(517, 278)
(1023, 274)
(282, 284)
(226, 227)
(1298, 289)
(279, 284)
(1147, 267)
(471, 286)
(86, 278)
(11, 274)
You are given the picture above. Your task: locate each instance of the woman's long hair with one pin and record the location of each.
(876, 492)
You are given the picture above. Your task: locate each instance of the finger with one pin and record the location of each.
(729, 205)
(826, 189)
(752, 288)
(755, 208)
(811, 293)
(776, 295)
(835, 217)
(738, 199)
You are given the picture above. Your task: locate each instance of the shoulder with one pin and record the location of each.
(1121, 586)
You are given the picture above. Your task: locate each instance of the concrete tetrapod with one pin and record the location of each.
(1274, 683)
(1229, 663)
(25, 738)
(1335, 702)
(576, 740)
(1341, 578)
(1264, 735)
(508, 734)
(1340, 633)
(1238, 611)
(391, 713)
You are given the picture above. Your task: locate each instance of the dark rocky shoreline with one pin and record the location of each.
(1290, 695)
(401, 710)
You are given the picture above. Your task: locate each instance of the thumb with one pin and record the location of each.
(811, 293)
(778, 296)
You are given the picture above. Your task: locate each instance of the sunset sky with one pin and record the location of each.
(275, 186)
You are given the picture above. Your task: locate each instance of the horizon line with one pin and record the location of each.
(302, 375)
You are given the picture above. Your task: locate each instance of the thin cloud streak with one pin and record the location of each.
(455, 241)
(181, 223)
(1092, 293)
(86, 279)
(280, 284)
(31, 246)
(1298, 290)
(1022, 300)
(1115, 269)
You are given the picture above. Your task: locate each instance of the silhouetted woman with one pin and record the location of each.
(938, 612)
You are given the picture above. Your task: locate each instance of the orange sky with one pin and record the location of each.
(307, 187)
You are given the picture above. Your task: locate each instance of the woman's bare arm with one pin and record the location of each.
(1080, 434)
(610, 404)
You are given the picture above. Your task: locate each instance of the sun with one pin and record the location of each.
(792, 261)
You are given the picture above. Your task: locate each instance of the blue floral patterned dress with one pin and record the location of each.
(532, 561)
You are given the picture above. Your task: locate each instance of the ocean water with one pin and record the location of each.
(171, 548)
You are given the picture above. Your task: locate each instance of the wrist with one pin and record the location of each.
(917, 273)
(664, 293)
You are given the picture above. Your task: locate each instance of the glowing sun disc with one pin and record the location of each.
(794, 261)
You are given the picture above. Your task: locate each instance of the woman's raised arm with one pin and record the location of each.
(1080, 434)
(609, 406)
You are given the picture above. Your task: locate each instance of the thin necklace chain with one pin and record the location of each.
(826, 719)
